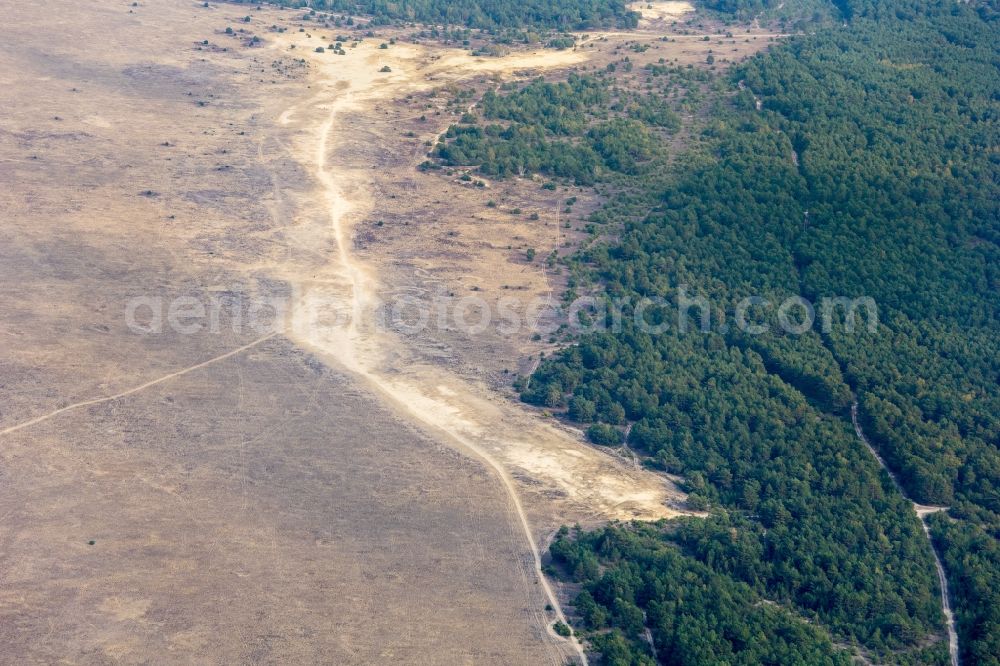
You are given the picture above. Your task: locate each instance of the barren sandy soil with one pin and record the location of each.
(549, 475)
(335, 313)
(656, 14)
(339, 491)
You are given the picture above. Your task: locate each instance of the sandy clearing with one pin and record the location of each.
(469, 65)
(334, 312)
(659, 12)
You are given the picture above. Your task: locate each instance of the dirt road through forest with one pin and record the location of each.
(922, 512)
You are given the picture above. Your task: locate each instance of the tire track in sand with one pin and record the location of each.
(360, 287)
(135, 389)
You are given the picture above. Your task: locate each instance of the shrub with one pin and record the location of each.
(604, 434)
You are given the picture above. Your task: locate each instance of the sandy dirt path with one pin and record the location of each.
(352, 346)
(335, 314)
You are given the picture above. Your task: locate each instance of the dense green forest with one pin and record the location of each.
(632, 579)
(486, 14)
(744, 7)
(585, 129)
(563, 129)
(857, 161)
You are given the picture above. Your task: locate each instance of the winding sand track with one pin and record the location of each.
(353, 357)
(335, 313)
